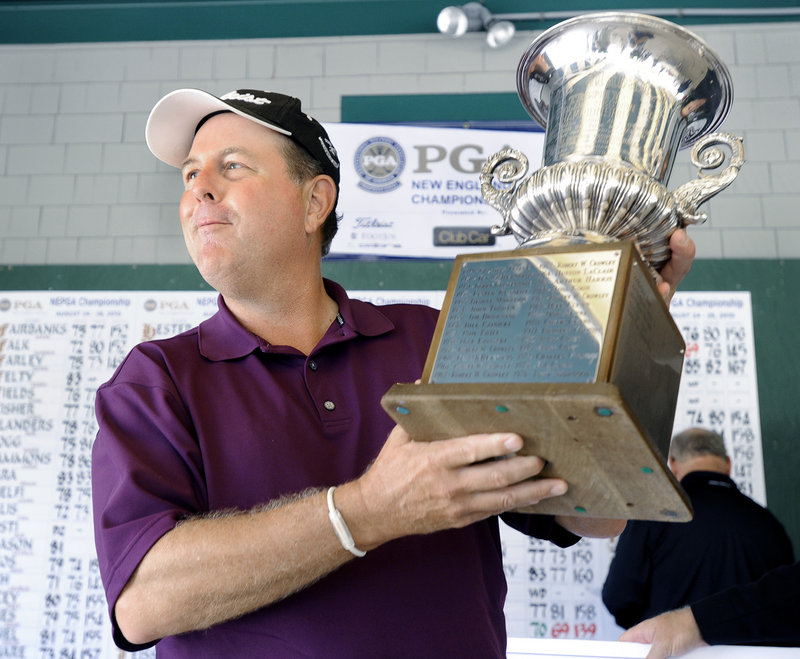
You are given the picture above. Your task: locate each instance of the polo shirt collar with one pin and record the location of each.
(707, 478)
(222, 337)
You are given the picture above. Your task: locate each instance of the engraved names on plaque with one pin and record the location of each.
(537, 318)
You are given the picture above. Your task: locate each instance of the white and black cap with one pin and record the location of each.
(175, 119)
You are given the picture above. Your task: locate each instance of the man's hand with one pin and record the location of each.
(670, 634)
(422, 487)
(683, 251)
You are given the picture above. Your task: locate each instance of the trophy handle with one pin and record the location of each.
(706, 156)
(507, 166)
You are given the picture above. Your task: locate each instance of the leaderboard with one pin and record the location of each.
(55, 350)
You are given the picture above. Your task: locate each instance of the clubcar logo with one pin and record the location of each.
(379, 161)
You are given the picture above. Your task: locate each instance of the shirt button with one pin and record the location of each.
(329, 405)
(313, 365)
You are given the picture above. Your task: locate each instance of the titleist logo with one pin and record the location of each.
(247, 98)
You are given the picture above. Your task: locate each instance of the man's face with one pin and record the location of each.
(242, 216)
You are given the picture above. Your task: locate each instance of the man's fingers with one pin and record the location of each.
(489, 464)
(683, 253)
(421, 487)
(501, 473)
(462, 451)
(636, 634)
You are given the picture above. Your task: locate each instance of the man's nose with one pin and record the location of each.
(205, 186)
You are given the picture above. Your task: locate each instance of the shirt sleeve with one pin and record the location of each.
(144, 471)
(626, 591)
(763, 612)
(544, 527)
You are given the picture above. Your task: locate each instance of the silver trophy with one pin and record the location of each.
(618, 95)
(566, 339)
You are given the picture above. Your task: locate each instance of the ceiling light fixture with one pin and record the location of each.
(456, 21)
(474, 17)
(499, 33)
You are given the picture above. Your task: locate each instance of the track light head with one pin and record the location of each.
(457, 21)
(473, 17)
(499, 33)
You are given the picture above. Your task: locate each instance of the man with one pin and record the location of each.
(762, 612)
(659, 566)
(247, 499)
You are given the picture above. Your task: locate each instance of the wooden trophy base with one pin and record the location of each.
(585, 432)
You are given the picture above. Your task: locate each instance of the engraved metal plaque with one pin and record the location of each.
(537, 318)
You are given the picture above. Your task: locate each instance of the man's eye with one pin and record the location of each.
(191, 175)
(233, 165)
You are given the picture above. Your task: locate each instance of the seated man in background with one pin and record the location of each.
(762, 612)
(659, 566)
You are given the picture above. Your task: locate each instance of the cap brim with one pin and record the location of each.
(173, 121)
(170, 127)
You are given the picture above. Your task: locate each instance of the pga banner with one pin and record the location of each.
(411, 191)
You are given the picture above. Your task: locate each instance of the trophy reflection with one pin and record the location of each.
(566, 339)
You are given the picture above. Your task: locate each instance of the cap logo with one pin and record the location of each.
(247, 98)
(330, 151)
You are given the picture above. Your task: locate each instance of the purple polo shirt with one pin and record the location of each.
(217, 418)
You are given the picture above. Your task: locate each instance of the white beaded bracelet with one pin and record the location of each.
(340, 527)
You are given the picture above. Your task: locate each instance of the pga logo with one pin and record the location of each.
(379, 162)
(27, 305)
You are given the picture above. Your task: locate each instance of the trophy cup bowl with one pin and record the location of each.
(565, 339)
(618, 95)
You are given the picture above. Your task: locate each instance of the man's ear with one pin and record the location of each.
(673, 465)
(321, 201)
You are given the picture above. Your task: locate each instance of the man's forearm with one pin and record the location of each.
(209, 570)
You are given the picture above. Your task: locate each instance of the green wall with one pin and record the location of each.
(74, 21)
